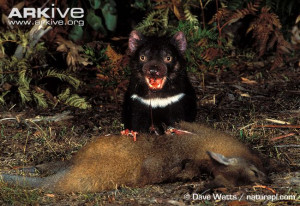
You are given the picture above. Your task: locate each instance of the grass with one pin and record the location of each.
(18, 196)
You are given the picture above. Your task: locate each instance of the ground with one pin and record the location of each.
(258, 106)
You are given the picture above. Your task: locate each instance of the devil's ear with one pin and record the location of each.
(179, 41)
(135, 38)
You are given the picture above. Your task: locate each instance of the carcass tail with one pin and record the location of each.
(23, 181)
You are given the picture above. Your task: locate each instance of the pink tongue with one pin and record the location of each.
(155, 83)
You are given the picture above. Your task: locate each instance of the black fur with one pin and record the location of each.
(155, 64)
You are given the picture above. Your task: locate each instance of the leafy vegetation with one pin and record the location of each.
(104, 22)
(206, 54)
(283, 8)
(26, 79)
(262, 32)
(156, 23)
(264, 29)
(111, 67)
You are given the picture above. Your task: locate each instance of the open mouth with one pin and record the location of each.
(155, 83)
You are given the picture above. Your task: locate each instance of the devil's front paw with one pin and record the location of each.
(131, 133)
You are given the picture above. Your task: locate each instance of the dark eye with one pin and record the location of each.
(143, 58)
(168, 59)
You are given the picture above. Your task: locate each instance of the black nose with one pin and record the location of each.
(153, 71)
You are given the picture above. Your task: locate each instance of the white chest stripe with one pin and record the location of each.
(158, 102)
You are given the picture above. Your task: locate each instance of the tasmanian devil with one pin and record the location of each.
(113, 161)
(159, 92)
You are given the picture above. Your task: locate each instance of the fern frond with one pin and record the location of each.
(205, 51)
(252, 8)
(277, 62)
(283, 47)
(148, 21)
(24, 94)
(20, 64)
(165, 18)
(272, 41)
(156, 23)
(264, 28)
(64, 77)
(211, 54)
(24, 81)
(76, 101)
(2, 101)
(221, 14)
(64, 95)
(73, 100)
(189, 16)
(40, 99)
(271, 4)
(10, 36)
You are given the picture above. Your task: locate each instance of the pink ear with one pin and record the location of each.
(180, 41)
(134, 39)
